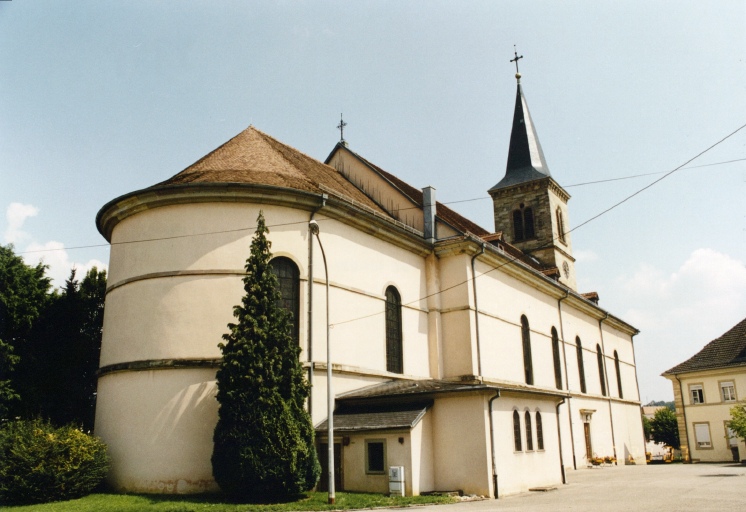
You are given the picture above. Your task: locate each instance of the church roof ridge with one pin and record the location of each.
(526, 160)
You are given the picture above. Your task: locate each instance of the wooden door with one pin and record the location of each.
(588, 447)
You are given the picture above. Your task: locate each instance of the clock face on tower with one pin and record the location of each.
(566, 269)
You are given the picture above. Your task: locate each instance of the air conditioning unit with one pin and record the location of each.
(396, 480)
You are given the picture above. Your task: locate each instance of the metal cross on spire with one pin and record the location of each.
(341, 128)
(515, 51)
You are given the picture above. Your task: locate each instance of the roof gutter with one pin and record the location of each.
(492, 446)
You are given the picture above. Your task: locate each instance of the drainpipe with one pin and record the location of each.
(492, 446)
(476, 308)
(686, 426)
(323, 198)
(567, 377)
(608, 385)
(559, 438)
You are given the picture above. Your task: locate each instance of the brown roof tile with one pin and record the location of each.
(254, 157)
(725, 351)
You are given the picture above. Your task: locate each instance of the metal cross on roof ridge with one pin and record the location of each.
(515, 51)
(341, 128)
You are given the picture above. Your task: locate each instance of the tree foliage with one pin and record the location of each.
(647, 429)
(57, 371)
(665, 428)
(24, 294)
(40, 463)
(737, 421)
(263, 441)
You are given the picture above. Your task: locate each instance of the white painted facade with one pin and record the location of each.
(177, 257)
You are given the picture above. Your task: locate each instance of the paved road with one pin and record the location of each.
(660, 488)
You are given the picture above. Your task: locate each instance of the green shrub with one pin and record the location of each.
(41, 463)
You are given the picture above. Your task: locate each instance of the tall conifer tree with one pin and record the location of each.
(263, 442)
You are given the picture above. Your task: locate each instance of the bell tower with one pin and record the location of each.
(530, 207)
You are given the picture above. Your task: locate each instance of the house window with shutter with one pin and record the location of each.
(696, 393)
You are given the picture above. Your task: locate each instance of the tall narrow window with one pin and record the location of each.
(517, 225)
(288, 280)
(600, 359)
(539, 432)
(560, 225)
(529, 434)
(394, 356)
(523, 223)
(528, 367)
(581, 366)
(517, 431)
(556, 357)
(618, 374)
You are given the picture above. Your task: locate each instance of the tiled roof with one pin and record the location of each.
(375, 419)
(396, 388)
(446, 214)
(254, 157)
(725, 351)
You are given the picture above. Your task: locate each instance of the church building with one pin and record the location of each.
(464, 355)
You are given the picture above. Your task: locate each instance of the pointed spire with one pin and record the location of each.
(525, 158)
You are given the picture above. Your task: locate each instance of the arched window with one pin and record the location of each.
(517, 431)
(600, 359)
(618, 374)
(288, 281)
(528, 368)
(539, 432)
(394, 356)
(560, 225)
(581, 367)
(523, 223)
(557, 362)
(529, 435)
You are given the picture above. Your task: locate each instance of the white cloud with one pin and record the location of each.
(16, 214)
(679, 312)
(56, 257)
(51, 253)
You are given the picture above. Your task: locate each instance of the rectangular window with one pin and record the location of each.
(696, 393)
(375, 456)
(728, 391)
(702, 435)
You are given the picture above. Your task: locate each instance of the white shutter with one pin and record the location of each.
(702, 433)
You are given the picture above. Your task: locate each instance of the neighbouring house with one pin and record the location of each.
(464, 355)
(705, 387)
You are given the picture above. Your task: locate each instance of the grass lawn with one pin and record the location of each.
(217, 503)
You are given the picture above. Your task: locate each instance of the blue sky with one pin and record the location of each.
(100, 98)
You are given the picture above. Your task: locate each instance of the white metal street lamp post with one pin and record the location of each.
(313, 226)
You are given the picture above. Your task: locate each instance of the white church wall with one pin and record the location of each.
(158, 426)
(461, 438)
(518, 471)
(502, 301)
(457, 317)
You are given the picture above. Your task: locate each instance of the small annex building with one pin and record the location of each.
(705, 387)
(462, 354)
